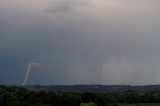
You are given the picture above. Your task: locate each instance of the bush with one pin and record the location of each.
(88, 104)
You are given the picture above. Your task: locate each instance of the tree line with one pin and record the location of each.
(18, 96)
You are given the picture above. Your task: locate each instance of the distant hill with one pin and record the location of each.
(97, 88)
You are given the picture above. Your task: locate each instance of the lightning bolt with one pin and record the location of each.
(28, 71)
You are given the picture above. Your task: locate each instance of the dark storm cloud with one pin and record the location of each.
(102, 42)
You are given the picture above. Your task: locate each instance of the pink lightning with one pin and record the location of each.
(28, 70)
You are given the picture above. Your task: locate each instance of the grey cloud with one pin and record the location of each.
(119, 45)
(63, 6)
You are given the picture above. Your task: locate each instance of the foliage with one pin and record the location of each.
(88, 104)
(19, 96)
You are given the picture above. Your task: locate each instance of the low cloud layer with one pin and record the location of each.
(80, 41)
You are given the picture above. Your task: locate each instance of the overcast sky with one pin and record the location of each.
(80, 41)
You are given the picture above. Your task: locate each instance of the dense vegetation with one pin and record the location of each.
(32, 96)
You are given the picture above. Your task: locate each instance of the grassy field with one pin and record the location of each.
(141, 104)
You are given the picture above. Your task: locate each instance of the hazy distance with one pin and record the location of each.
(80, 41)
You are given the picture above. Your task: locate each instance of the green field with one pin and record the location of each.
(141, 104)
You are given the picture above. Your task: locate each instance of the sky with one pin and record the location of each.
(80, 41)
